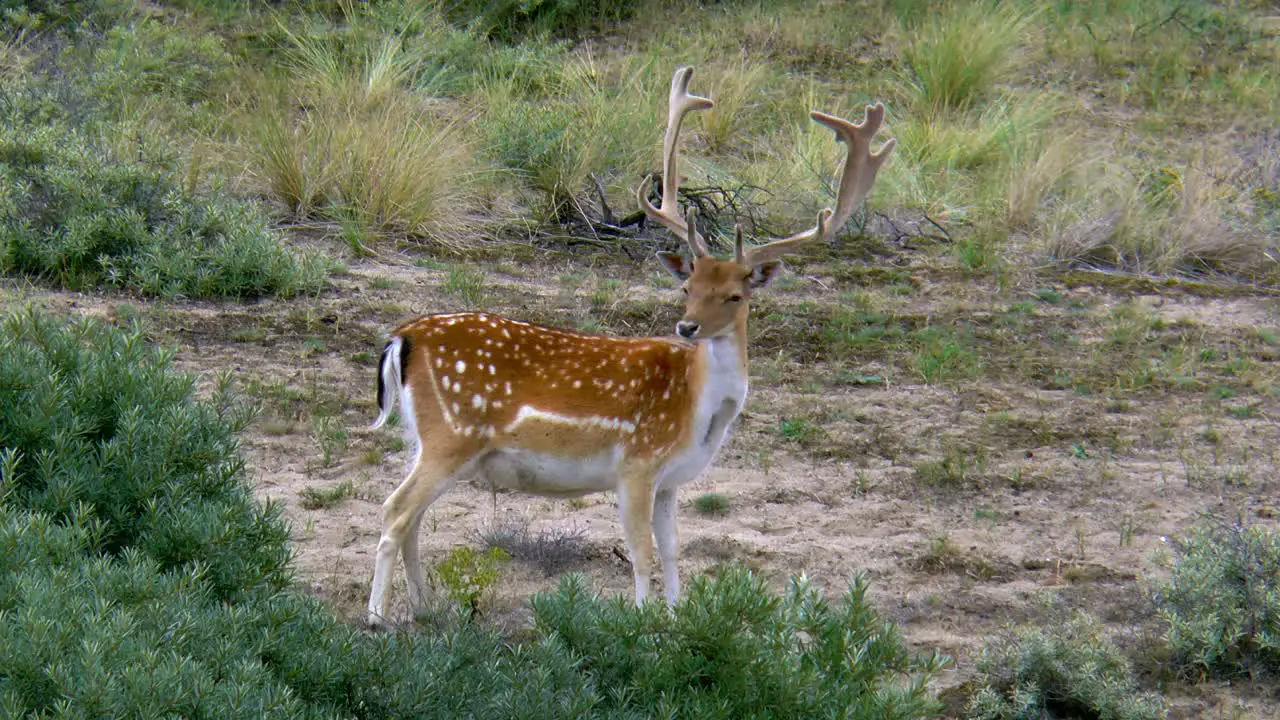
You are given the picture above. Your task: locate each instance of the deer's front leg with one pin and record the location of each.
(664, 531)
(635, 505)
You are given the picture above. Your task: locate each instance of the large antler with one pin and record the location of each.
(668, 213)
(860, 168)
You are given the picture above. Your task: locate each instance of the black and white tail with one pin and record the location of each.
(390, 377)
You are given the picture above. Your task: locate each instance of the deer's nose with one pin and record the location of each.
(686, 329)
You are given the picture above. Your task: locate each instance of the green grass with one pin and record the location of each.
(956, 56)
(311, 498)
(943, 356)
(464, 284)
(801, 430)
(712, 504)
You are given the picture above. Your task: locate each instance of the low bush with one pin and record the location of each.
(1222, 600)
(139, 578)
(73, 214)
(552, 550)
(732, 649)
(1071, 670)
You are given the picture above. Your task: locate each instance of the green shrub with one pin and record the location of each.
(1222, 600)
(1071, 670)
(72, 214)
(468, 576)
(99, 430)
(712, 504)
(731, 649)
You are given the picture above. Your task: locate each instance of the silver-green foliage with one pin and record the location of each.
(1069, 670)
(71, 214)
(1222, 600)
(733, 649)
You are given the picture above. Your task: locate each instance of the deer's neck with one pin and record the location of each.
(722, 363)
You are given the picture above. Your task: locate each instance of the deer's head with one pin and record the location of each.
(717, 291)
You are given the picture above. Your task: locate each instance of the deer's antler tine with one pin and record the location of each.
(861, 165)
(739, 255)
(856, 179)
(680, 102)
(691, 233)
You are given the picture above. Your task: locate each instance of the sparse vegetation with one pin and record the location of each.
(464, 284)
(712, 504)
(1222, 600)
(1074, 247)
(552, 550)
(1065, 669)
(313, 498)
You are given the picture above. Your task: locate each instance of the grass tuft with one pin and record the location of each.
(958, 54)
(553, 550)
(311, 498)
(713, 504)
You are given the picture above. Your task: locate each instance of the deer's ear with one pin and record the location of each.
(763, 274)
(676, 264)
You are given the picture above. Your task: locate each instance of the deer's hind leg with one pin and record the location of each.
(434, 472)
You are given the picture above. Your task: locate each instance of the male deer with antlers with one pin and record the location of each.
(559, 413)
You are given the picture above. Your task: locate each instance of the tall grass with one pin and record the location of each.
(958, 55)
(1179, 218)
(597, 121)
(349, 141)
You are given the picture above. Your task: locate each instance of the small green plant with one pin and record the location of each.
(799, 430)
(468, 576)
(712, 504)
(311, 498)
(1242, 412)
(1066, 670)
(331, 435)
(942, 356)
(465, 284)
(1048, 295)
(954, 469)
(1221, 600)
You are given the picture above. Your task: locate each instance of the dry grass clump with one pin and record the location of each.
(596, 119)
(959, 54)
(1206, 215)
(346, 140)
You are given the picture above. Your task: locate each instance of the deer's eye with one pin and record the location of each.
(684, 290)
(733, 298)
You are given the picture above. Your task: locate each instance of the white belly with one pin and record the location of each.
(541, 474)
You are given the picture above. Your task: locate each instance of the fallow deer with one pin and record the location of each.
(560, 413)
